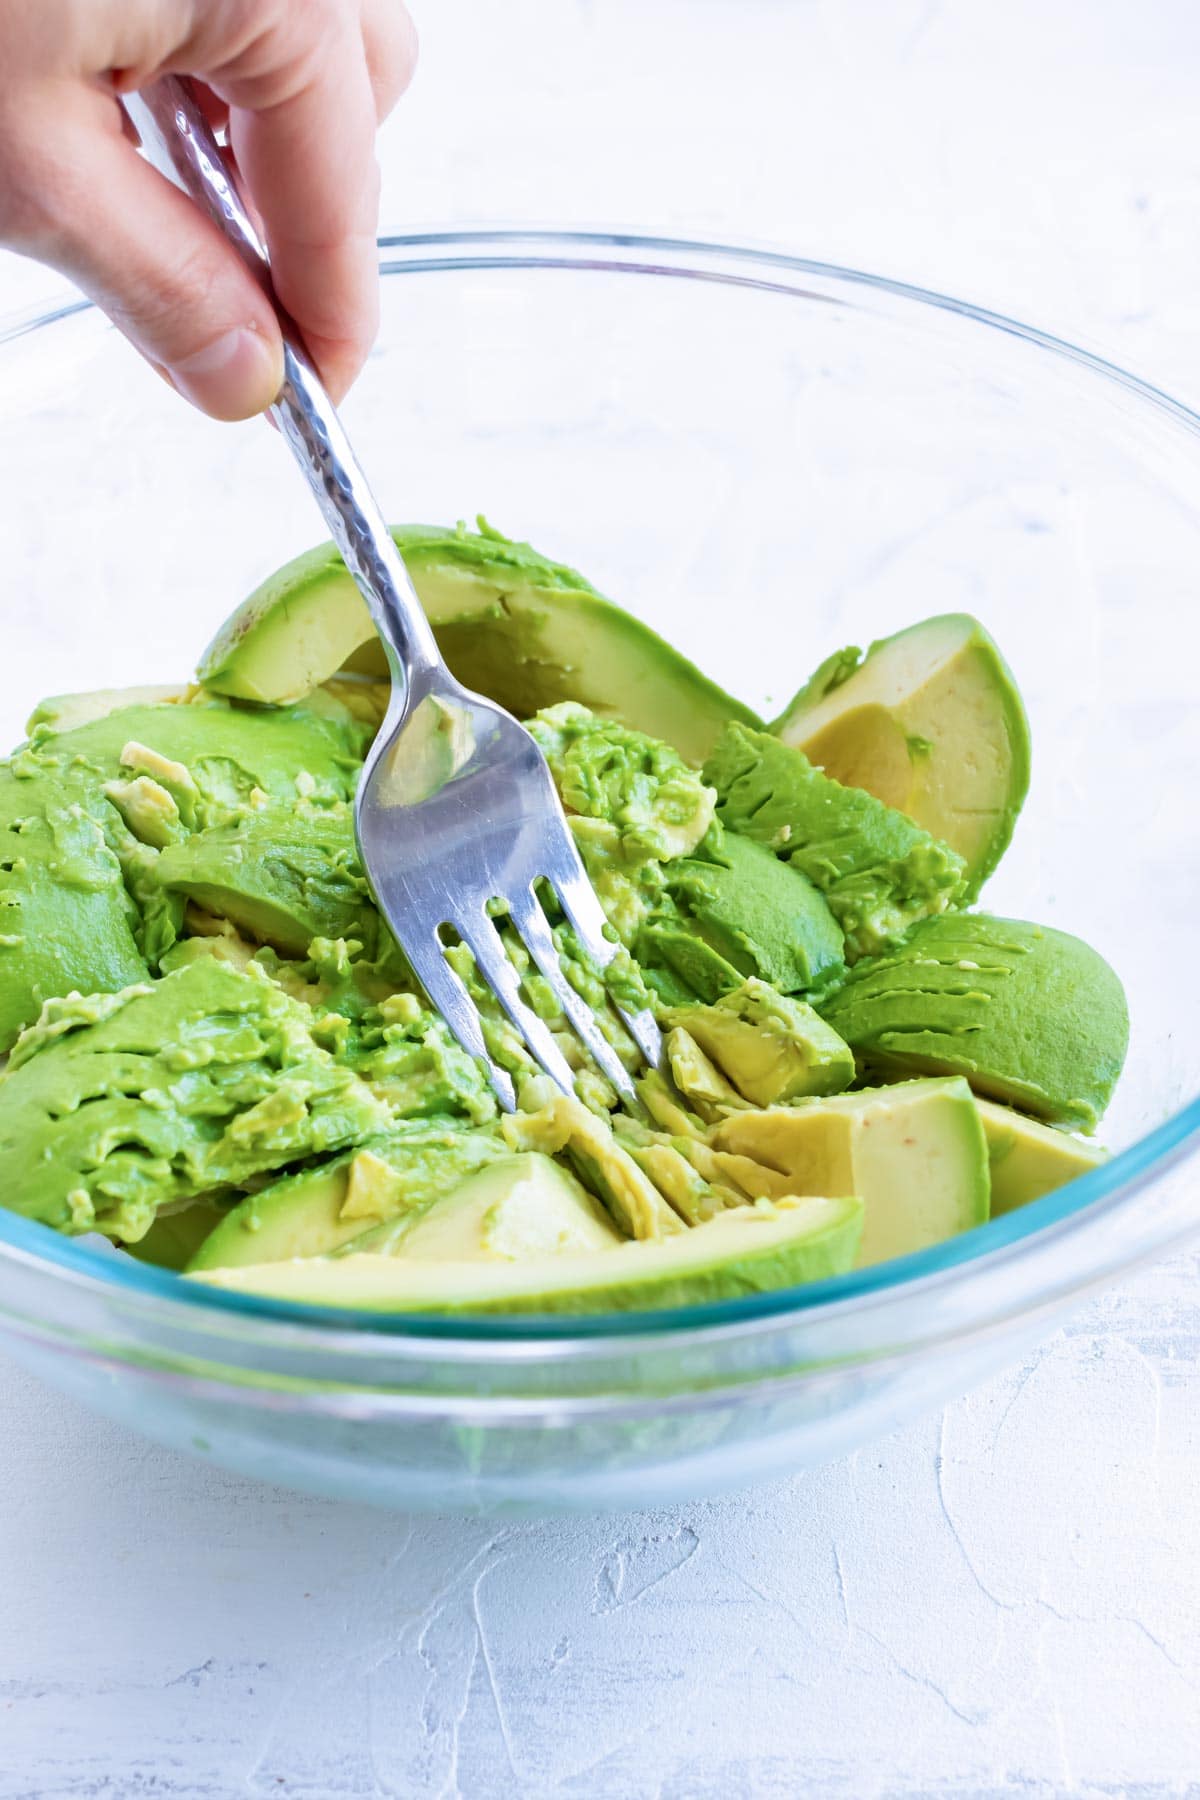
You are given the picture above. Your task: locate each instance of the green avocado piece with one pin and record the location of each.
(878, 871)
(697, 1077)
(931, 722)
(63, 712)
(1029, 1159)
(116, 1104)
(510, 623)
(915, 1154)
(178, 1232)
(772, 1048)
(679, 966)
(762, 916)
(742, 1251)
(280, 875)
(522, 1206)
(66, 920)
(565, 1124)
(386, 1180)
(1031, 1016)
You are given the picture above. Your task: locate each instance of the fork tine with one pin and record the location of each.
(584, 912)
(483, 940)
(533, 929)
(456, 1006)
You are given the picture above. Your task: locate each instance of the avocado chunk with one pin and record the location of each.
(280, 875)
(1031, 1016)
(632, 803)
(740, 1253)
(1029, 1159)
(915, 1155)
(510, 623)
(566, 1124)
(62, 712)
(931, 722)
(384, 1181)
(761, 916)
(679, 966)
(879, 872)
(520, 1207)
(116, 1104)
(698, 1077)
(772, 1048)
(178, 1232)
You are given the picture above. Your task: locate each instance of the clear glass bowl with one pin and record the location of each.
(766, 458)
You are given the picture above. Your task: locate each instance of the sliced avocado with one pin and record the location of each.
(517, 1208)
(281, 876)
(930, 722)
(879, 872)
(1029, 1159)
(529, 632)
(772, 1048)
(681, 967)
(63, 712)
(178, 1232)
(744, 1251)
(115, 1104)
(915, 1154)
(565, 1124)
(315, 1212)
(699, 1078)
(1031, 1016)
(762, 916)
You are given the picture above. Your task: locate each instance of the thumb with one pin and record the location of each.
(160, 269)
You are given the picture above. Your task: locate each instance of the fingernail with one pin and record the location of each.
(237, 375)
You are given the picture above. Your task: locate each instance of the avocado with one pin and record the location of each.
(745, 1251)
(698, 1078)
(879, 872)
(116, 1104)
(915, 1155)
(565, 1124)
(281, 875)
(511, 624)
(1028, 1159)
(772, 1048)
(178, 1232)
(67, 923)
(62, 712)
(632, 802)
(1031, 1016)
(762, 916)
(515, 1209)
(383, 1181)
(679, 966)
(930, 721)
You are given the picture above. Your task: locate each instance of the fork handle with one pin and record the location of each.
(174, 130)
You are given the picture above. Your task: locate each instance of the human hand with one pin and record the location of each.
(301, 85)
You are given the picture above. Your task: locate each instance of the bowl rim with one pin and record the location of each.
(1073, 1211)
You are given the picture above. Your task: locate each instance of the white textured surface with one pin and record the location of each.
(1003, 1600)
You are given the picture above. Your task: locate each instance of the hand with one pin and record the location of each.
(301, 85)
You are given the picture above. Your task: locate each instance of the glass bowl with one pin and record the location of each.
(767, 458)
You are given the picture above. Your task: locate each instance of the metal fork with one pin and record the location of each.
(458, 818)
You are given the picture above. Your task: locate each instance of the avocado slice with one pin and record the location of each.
(879, 872)
(510, 623)
(743, 1251)
(280, 875)
(915, 1154)
(565, 1124)
(1029, 1159)
(63, 712)
(521, 1206)
(761, 916)
(178, 1232)
(697, 1077)
(679, 966)
(1031, 1016)
(384, 1180)
(931, 722)
(772, 1048)
(115, 1104)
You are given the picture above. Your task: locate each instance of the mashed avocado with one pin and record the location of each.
(223, 1061)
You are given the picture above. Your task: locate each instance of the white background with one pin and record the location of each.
(1003, 1600)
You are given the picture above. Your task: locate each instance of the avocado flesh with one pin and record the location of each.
(761, 916)
(1031, 1016)
(177, 1233)
(280, 876)
(114, 1105)
(931, 722)
(1029, 1159)
(915, 1154)
(522, 1206)
(380, 1184)
(879, 872)
(743, 1252)
(63, 712)
(772, 1048)
(511, 624)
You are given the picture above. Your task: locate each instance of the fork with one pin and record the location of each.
(457, 816)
